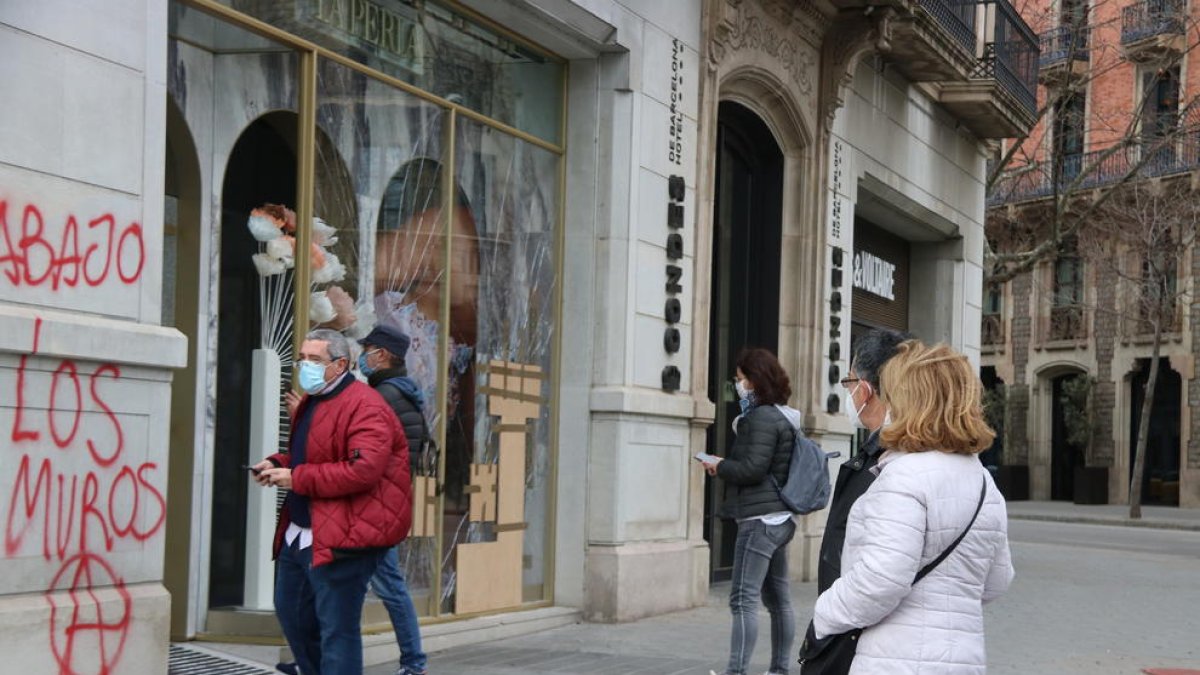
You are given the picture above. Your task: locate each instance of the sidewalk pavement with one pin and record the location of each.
(1159, 517)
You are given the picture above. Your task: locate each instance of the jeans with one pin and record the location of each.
(388, 583)
(320, 609)
(760, 568)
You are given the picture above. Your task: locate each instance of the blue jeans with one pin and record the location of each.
(760, 568)
(388, 583)
(320, 609)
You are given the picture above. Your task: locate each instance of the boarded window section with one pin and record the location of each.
(880, 268)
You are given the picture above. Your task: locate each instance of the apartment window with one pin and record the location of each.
(1072, 13)
(1158, 291)
(993, 315)
(1160, 102)
(1068, 280)
(1069, 116)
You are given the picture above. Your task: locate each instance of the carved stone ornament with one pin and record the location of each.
(741, 28)
(852, 37)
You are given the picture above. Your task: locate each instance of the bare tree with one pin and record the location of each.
(1141, 237)
(1043, 188)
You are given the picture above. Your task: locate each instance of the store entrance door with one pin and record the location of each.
(747, 237)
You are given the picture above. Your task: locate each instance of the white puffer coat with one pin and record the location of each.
(913, 511)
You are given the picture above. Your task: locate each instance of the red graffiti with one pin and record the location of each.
(81, 511)
(102, 456)
(19, 434)
(34, 260)
(84, 626)
(128, 506)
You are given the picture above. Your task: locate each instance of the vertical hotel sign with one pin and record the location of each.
(676, 190)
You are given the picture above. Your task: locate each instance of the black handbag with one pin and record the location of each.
(833, 654)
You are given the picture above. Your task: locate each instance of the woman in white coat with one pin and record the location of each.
(927, 490)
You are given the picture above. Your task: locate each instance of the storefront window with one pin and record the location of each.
(426, 218)
(504, 276)
(435, 46)
(383, 145)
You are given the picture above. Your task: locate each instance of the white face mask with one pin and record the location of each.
(741, 389)
(854, 412)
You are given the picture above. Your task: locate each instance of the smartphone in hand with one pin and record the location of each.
(707, 458)
(251, 469)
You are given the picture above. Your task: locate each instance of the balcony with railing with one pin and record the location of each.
(1100, 168)
(1065, 323)
(1153, 29)
(934, 41)
(1064, 53)
(1000, 98)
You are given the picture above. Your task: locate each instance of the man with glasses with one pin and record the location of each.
(349, 503)
(865, 411)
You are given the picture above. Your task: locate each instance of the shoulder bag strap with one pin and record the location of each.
(950, 549)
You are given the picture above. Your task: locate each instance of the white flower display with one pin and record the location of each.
(332, 271)
(281, 250)
(267, 265)
(320, 309)
(263, 229)
(323, 233)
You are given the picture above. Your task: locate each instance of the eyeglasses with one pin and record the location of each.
(847, 381)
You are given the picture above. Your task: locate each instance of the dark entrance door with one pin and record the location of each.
(1066, 452)
(1160, 479)
(261, 169)
(747, 236)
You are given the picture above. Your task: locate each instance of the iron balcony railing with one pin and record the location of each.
(955, 17)
(1065, 43)
(993, 66)
(1066, 322)
(993, 329)
(1010, 54)
(1152, 17)
(1095, 169)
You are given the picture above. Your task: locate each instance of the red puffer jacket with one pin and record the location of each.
(355, 474)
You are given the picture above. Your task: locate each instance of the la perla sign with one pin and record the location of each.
(874, 275)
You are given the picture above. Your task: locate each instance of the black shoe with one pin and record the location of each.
(289, 668)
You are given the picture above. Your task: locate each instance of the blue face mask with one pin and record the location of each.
(747, 402)
(312, 376)
(362, 365)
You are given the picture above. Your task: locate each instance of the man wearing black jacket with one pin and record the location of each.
(382, 361)
(866, 411)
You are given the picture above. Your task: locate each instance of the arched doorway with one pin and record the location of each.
(1160, 478)
(181, 309)
(1069, 431)
(747, 240)
(261, 169)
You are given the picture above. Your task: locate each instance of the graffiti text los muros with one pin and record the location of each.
(82, 251)
(97, 500)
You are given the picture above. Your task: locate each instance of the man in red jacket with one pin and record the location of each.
(347, 469)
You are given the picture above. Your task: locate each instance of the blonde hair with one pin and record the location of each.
(935, 400)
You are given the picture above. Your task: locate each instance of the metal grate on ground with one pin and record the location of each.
(187, 660)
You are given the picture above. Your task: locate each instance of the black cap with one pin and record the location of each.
(388, 338)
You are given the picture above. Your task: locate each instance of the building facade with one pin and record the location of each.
(1068, 339)
(580, 212)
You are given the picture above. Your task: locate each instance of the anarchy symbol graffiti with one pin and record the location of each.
(87, 631)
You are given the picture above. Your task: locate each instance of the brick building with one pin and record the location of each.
(1064, 355)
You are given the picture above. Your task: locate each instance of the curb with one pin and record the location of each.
(1117, 522)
